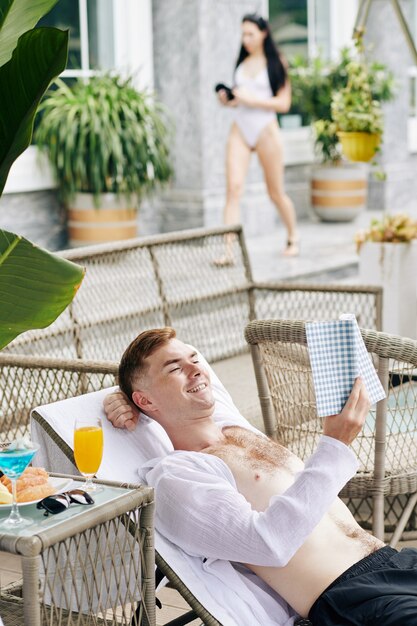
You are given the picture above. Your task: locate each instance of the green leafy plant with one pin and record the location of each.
(354, 108)
(29, 59)
(315, 81)
(35, 285)
(102, 135)
(398, 228)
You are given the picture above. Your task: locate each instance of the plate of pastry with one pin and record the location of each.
(33, 485)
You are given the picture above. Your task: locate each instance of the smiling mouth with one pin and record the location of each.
(199, 387)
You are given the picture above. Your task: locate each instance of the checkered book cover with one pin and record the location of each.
(338, 355)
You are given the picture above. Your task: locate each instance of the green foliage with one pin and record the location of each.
(40, 55)
(18, 17)
(354, 108)
(28, 63)
(35, 286)
(326, 140)
(102, 135)
(313, 84)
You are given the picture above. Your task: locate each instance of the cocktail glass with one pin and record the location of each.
(12, 464)
(88, 449)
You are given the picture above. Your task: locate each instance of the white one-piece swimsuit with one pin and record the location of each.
(250, 120)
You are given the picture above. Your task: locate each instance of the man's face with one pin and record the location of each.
(176, 384)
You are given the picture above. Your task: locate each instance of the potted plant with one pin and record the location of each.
(357, 115)
(338, 188)
(388, 257)
(109, 146)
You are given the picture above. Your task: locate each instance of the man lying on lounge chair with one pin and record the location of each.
(233, 494)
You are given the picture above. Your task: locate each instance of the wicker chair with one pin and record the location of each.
(171, 280)
(384, 490)
(44, 380)
(29, 381)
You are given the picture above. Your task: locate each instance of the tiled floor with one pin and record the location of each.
(327, 251)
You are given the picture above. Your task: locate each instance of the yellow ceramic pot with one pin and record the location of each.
(359, 146)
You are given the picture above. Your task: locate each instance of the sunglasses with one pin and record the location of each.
(61, 501)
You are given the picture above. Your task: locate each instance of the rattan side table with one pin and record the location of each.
(91, 565)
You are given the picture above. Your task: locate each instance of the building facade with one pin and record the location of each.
(181, 49)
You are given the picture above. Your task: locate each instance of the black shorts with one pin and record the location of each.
(378, 590)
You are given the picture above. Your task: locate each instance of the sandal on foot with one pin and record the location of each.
(224, 261)
(293, 248)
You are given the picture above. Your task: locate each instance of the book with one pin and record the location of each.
(338, 356)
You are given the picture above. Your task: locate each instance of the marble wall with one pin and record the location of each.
(195, 46)
(184, 78)
(388, 45)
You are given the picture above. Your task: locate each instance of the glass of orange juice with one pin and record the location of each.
(88, 449)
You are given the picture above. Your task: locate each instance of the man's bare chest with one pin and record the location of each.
(261, 467)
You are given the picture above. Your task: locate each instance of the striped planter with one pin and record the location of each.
(339, 192)
(115, 219)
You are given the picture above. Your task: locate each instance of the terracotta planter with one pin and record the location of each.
(393, 266)
(115, 219)
(359, 146)
(339, 192)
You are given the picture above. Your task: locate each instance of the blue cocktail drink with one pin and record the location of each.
(13, 462)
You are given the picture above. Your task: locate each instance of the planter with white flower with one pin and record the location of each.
(388, 258)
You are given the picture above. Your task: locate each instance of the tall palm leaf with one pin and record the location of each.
(35, 286)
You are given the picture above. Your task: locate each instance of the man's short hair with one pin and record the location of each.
(132, 364)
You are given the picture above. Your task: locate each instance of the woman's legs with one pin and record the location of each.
(237, 162)
(269, 149)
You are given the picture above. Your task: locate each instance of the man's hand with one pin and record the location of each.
(120, 411)
(346, 426)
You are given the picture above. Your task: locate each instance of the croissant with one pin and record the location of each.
(37, 492)
(31, 477)
(32, 485)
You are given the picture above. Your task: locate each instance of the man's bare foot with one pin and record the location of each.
(292, 249)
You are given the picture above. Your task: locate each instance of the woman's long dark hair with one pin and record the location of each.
(277, 72)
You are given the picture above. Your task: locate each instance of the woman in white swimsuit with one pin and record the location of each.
(261, 90)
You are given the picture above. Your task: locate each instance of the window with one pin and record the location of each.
(289, 28)
(91, 45)
(301, 27)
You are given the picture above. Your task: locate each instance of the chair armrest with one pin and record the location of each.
(318, 302)
(27, 381)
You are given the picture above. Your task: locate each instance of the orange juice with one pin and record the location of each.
(88, 448)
